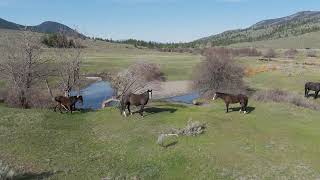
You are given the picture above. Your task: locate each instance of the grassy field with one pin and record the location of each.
(273, 141)
(176, 66)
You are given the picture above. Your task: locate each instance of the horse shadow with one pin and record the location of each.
(155, 110)
(171, 144)
(249, 109)
(85, 110)
(29, 175)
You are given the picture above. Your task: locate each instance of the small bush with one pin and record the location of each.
(311, 53)
(286, 97)
(36, 98)
(291, 53)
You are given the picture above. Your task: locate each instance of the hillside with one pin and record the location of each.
(289, 26)
(45, 27)
(309, 40)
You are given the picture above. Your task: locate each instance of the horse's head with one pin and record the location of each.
(150, 93)
(80, 99)
(215, 96)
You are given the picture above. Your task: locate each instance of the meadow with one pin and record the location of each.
(273, 141)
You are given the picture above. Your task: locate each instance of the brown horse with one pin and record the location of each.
(233, 99)
(67, 103)
(136, 100)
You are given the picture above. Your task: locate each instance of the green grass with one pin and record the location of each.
(274, 140)
(176, 66)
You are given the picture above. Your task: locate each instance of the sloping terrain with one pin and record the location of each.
(294, 25)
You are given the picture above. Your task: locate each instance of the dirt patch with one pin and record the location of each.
(172, 88)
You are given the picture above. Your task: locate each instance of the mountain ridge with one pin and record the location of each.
(293, 25)
(45, 27)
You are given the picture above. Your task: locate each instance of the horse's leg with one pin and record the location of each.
(306, 92)
(316, 95)
(227, 106)
(141, 110)
(241, 107)
(60, 105)
(55, 108)
(245, 108)
(124, 110)
(129, 109)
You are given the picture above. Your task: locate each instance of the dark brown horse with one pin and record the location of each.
(68, 103)
(233, 99)
(136, 100)
(313, 87)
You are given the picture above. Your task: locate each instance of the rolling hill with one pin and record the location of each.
(294, 25)
(45, 27)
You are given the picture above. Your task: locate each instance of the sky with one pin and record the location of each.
(151, 20)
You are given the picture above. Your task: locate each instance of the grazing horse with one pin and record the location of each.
(313, 87)
(233, 99)
(136, 100)
(67, 103)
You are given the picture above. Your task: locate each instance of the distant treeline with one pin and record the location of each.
(141, 43)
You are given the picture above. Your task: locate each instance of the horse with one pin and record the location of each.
(233, 99)
(313, 87)
(136, 100)
(67, 103)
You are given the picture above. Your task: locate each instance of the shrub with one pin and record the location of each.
(269, 53)
(277, 95)
(291, 53)
(218, 72)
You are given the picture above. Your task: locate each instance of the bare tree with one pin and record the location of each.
(22, 67)
(218, 72)
(138, 77)
(68, 63)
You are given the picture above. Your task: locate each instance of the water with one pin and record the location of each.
(187, 98)
(95, 94)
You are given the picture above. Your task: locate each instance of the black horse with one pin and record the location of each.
(136, 100)
(233, 99)
(313, 87)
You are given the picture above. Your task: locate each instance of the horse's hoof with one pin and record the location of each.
(124, 114)
(131, 114)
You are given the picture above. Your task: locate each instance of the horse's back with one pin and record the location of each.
(312, 86)
(137, 99)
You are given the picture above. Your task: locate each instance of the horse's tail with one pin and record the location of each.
(246, 102)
